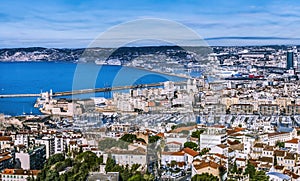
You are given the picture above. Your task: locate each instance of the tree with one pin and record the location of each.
(250, 170)
(260, 176)
(110, 164)
(153, 139)
(128, 138)
(136, 177)
(191, 145)
(234, 168)
(173, 163)
(204, 151)
(279, 144)
(185, 132)
(55, 158)
(204, 177)
(196, 134)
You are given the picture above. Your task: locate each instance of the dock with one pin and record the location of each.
(86, 91)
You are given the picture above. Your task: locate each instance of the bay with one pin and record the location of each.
(35, 77)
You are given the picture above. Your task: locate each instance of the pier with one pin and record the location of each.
(86, 91)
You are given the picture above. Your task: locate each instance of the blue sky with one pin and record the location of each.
(74, 23)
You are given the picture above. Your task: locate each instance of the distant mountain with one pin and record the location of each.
(102, 55)
(40, 54)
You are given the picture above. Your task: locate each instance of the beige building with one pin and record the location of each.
(205, 166)
(241, 109)
(269, 109)
(292, 109)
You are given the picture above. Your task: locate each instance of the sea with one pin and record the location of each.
(37, 77)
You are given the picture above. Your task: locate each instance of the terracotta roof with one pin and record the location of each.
(290, 156)
(266, 159)
(178, 153)
(276, 134)
(205, 164)
(218, 126)
(259, 145)
(279, 167)
(269, 148)
(240, 159)
(20, 172)
(221, 155)
(265, 165)
(190, 152)
(4, 158)
(293, 141)
(5, 138)
(235, 142)
(292, 174)
(222, 146)
(73, 142)
(187, 128)
(280, 153)
(162, 135)
(237, 134)
(174, 142)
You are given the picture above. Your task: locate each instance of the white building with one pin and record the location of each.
(213, 136)
(130, 157)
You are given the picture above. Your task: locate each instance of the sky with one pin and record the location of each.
(76, 23)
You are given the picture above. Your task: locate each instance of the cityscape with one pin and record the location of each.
(149, 99)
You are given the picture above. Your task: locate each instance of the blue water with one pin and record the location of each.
(34, 77)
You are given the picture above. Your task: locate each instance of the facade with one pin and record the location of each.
(168, 157)
(32, 159)
(241, 109)
(218, 109)
(18, 174)
(130, 157)
(5, 142)
(269, 109)
(213, 136)
(292, 110)
(6, 161)
(293, 145)
(290, 60)
(49, 144)
(173, 146)
(205, 166)
(22, 139)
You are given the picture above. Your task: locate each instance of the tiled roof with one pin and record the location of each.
(221, 155)
(160, 135)
(205, 164)
(266, 159)
(190, 152)
(293, 141)
(5, 138)
(20, 172)
(222, 146)
(4, 158)
(289, 156)
(178, 153)
(259, 145)
(268, 148)
(173, 142)
(280, 153)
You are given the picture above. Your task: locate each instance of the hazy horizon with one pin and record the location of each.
(72, 24)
